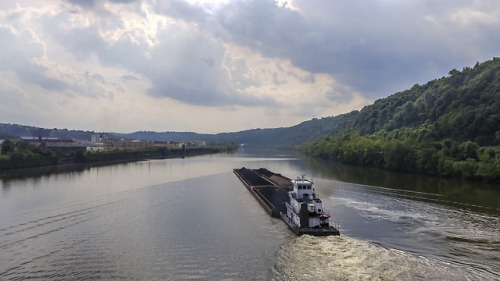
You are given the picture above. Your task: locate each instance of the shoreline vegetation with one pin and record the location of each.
(30, 157)
(446, 158)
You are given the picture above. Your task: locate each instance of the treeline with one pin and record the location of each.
(22, 155)
(439, 158)
(149, 153)
(447, 127)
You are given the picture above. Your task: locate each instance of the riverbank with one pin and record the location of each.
(462, 160)
(22, 159)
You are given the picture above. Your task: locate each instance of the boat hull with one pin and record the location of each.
(313, 231)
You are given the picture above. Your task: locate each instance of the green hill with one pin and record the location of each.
(449, 127)
(289, 137)
(464, 106)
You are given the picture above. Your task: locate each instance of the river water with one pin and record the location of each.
(192, 219)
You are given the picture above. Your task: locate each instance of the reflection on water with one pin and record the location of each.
(178, 219)
(200, 228)
(473, 195)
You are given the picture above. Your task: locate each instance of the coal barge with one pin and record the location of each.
(293, 201)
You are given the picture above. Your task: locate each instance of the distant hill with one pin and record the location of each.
(16, 130)
(285, 137)
(165, 136)
(464, 107)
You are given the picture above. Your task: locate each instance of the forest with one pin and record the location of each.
(447, 127)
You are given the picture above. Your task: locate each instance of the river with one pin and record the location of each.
(192, 219)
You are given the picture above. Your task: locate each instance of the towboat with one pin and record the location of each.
(294, 201)
(304, 211)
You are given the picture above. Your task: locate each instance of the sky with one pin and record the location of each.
(226, 66)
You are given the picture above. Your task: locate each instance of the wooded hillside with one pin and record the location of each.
(449, 126)
(464, 107)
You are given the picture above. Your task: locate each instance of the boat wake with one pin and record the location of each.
(344, 258)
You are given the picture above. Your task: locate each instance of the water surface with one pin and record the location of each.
(191, 219)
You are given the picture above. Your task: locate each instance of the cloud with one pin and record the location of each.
(182, 10)
(93, 3)
(129, 77)
(284, 61)
(185, 63)
(178, 67)
(20, 53)
(375, 47)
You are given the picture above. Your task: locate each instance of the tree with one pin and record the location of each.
(468, 149)
(467, 168)
(7, 146)
(427, 159)
(399, 156)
